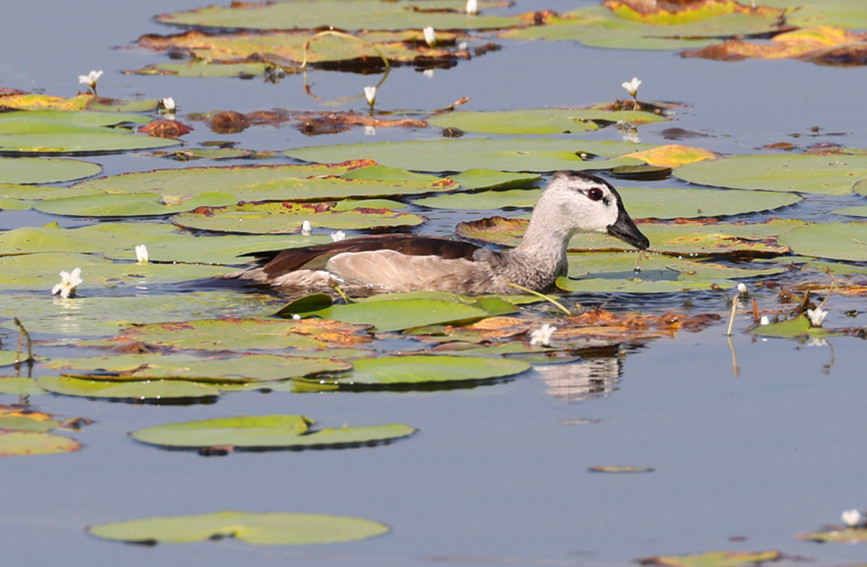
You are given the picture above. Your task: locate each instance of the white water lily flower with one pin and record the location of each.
(141, 254)
(742, 289)
(306, 228)
(370, 130)
(69, 281)
(542, 335)
(370, 95)
(764, 320)
(472, 7)
(90, 79)
(430, 36)
(851, 518)
(816, 316)
(632, 86)
(167, 104)
(296, 317)
(338, 236)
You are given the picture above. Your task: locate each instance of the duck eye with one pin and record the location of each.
(594, 194)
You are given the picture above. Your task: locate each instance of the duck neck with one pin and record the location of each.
(542, 252)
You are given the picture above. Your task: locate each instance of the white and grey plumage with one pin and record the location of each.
(572, 202)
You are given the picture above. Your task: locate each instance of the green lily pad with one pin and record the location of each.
(490, 179)
(280, 218)
(834, 240)
(14, 419)
(598, 26)
(395, 314)
(154, 391)
(835, 13)
(714, 559)
(102, 315)
(510, 198)
(273, 182)
(506, 154)
(856, 211)
(200, 68)
(246, 334)
(266, 432)
(19, 386)
(538, 120)
(50, 132)
(818, 174)
(41, 271)
(247, 368)
(359, 15)
(421, 370)
(672, 203)
(8, 357)
(251, 528)
(14, 443)
(837, 534)
(798, 327)
(130, 205)
(41, 170)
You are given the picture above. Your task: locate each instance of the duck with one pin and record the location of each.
(572, 202)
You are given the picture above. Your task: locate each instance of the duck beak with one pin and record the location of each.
(624, 229)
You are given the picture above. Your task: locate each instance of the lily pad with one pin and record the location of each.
(248, 368)
(266, 432)
(201, 68)
(130, 205)
(41, 170)
(247, 334)
(538, 120)
(620, 27)
(837, 534)
(491, 179)
(511, 198)
(506, 154)
(423, 370)
(51, 132)
(834, 240)
(797, 327)
(801, 173)
(273, 182)
(19, 386)
(714, 559)
(280, 218)
(251, 528)
(363, 15)
(28, 443)
(152, 391)
(394, 314)
(672, 203)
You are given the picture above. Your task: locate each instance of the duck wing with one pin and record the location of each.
(278, 262)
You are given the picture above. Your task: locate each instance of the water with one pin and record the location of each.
(497, 474)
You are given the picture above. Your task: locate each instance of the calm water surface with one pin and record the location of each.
(498, 474)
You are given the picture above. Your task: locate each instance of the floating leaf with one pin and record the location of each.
(31, 101)
(673, 155)
(835, 240)
(19, 386)
(14, 418)
(60, 132)
(672, 203)
(266, 432)
(620, 469)
(273, 182)
(824, 175)
(839, 534)
(622, 28)
(41, 170)
(714, 559)
(252, 528)
(506, 154)
(27, 443)
(248, 368)
(491, 179)
(394, 314)
(797, 327)
(246, 334)
(364, 15)
(203, 69)
(524, 198)
(155, 391)
(130, 205)
(538, 120)
(421, 370)
(279, 218)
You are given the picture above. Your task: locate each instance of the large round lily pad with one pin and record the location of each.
(41, 170)
(32, 443)
(538, 120)
(150, 391)
(252, 528)
(835, 240)
(825, 175)
(506, 154)
(423, 370)
(266, 432)
(280, 218)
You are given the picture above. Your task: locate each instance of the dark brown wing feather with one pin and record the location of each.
(278, 262)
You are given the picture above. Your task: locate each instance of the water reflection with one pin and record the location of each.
(590, 378)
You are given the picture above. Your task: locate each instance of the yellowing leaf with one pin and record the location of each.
(684, 13)
(672, 155)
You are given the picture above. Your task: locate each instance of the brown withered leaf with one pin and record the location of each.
(823, 45)
(310, 123)
(165, 129)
